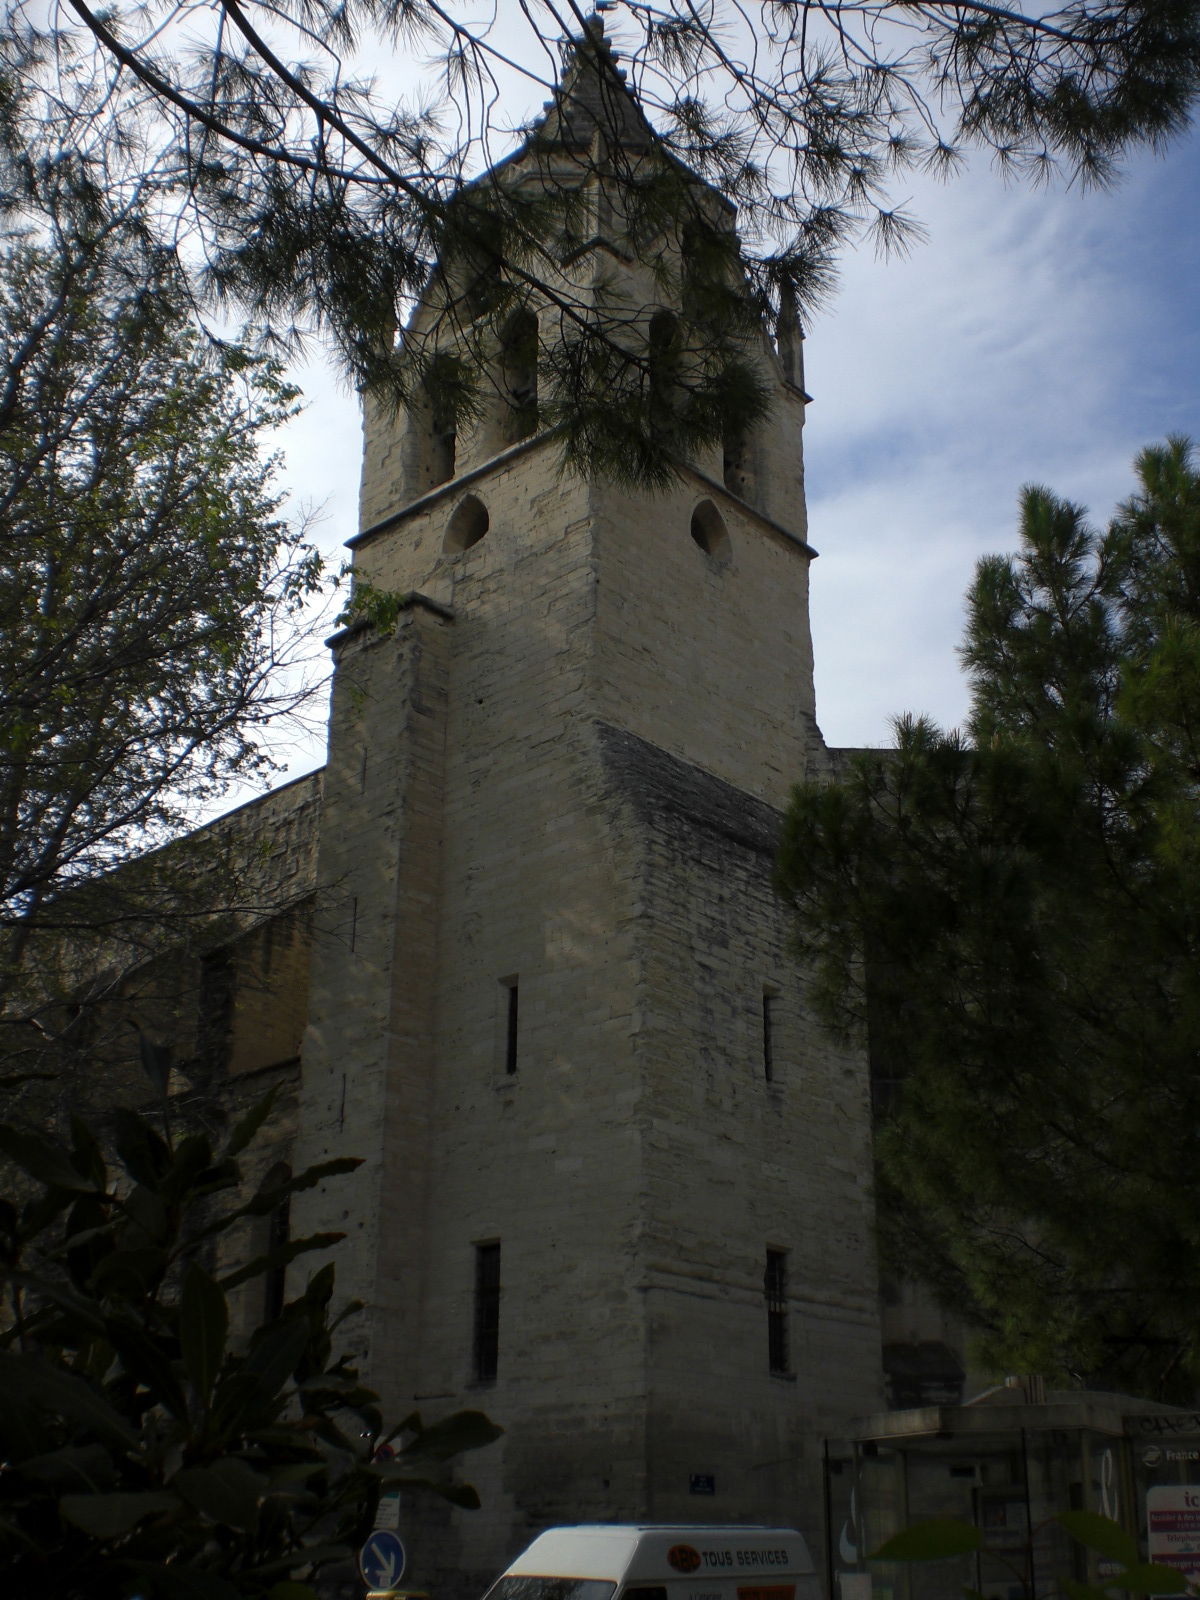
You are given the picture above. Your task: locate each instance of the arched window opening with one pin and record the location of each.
(467, 526)
(710, 533)
(519, 356)
(444, 443)
(663, 349)
(481, 285)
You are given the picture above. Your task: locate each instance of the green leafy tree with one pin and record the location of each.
(947, 1538)
(323, 200)
(1012, 917)
(146, 1451)
(149, 587)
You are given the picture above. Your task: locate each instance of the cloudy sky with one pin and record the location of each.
(1037, 336)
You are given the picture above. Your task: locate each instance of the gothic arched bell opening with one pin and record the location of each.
(519, 375)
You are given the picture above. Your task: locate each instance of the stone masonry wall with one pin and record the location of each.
(739, 1158)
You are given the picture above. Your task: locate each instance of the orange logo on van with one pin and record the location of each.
(683, 1558)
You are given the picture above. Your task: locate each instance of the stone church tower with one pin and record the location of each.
(616, 1183)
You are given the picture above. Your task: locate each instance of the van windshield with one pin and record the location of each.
(551, 1589)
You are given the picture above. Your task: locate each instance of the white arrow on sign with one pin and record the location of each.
(381, 1560)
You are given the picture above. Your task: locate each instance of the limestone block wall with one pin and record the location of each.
(542, 1159)
(707, 656)
(617, 703)
(367, 1060)
(743, 1151)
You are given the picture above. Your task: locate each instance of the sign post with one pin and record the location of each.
(382, 1560)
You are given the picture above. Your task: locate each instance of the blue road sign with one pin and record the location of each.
(381, 1560)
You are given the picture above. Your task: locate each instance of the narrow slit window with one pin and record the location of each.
(511, 1025)
(487, 1311)
(775, 1294)
(768, 1034)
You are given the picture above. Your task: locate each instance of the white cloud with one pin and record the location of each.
(1037, 337)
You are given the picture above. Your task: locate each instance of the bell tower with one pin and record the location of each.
(615, 1183)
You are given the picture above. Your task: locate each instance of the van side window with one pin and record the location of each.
(646, 1592)
(514, 1586)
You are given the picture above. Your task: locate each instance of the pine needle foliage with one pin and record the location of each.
(317, 200)
(1011, 919)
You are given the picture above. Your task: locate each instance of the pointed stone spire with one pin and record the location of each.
(593, 98)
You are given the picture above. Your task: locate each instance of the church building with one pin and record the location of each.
(617, 1183)
(526, 961)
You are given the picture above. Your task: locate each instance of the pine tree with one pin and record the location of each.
(1012, 918)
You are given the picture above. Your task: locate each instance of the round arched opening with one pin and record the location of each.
(467, 526)
(710, 533)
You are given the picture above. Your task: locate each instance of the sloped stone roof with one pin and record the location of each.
(593, 98)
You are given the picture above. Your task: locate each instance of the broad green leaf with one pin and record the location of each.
(193, 1157)
(89, 1238)
(312, 1554)
(244, 1131)
(319, 1290)
(463, 1430)
(146, 1212)
(227, 1492)
(147, 1363)
(934, 1540)
(87, 1466)
(31, 1379)
(42, 1159)
(14, 1080)
(88, 1156)
(1101, 1534)
(54, 1292)
(143, 1151)
(39, 1213)
(203, 1328)
(458, 1494)
(156, 1062)
(108, 1516)
(1142, 1578)
(129, 1272)
(244, 1396)
(289, 1589)
(1080, 1591)
(274, 1358)
(271, 1195)
(274, 1259)
(293, 1473)
(22, 1428)
(181, 1582)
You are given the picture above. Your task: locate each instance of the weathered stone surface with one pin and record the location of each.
(565, 772)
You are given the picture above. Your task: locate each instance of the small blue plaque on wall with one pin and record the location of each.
(702, 1483)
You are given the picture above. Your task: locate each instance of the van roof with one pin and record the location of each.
(663, 1551)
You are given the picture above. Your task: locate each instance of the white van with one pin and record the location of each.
(614, 1561)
